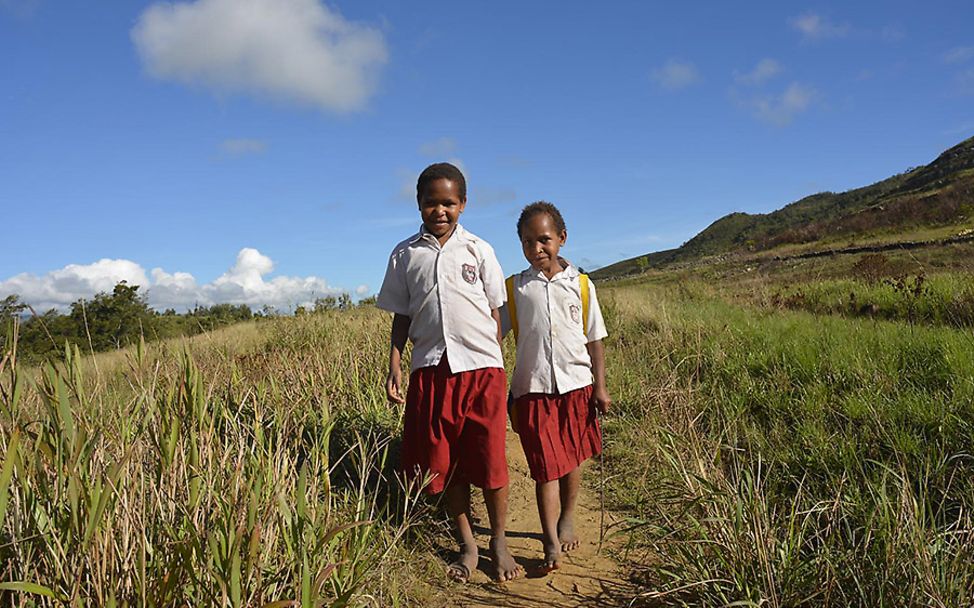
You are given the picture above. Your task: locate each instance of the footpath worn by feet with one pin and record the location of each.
(585, 577)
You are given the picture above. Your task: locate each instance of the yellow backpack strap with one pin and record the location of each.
(583, 283)
(511, 305)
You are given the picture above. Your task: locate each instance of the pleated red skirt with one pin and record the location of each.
(455, 427)
(558, 432)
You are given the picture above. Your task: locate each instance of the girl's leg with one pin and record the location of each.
(505, 568)
(547, 494)
(458, 507)
(568, 490)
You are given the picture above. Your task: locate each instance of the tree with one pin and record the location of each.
(114, 320)
(11, 306)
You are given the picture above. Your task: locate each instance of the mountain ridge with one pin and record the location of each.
(937, 194)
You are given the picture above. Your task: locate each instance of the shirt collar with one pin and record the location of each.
(568, 273)
(458, 233)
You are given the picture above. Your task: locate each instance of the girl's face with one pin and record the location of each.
(440, 207)
(541, 241)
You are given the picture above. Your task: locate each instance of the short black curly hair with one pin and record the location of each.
(440, 171)
(541, 207)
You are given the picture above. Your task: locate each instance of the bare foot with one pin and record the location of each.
(505, 568)
(552, 556)
(461, 569)
(566, 534)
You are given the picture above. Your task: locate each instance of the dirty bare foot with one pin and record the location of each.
(461, 569)
(505, 568)
(566, 534)
(552, 556)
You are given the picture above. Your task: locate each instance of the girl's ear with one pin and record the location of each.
(563, 236)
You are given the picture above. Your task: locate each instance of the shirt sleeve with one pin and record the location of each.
(493, 278)
(394, 294)
(596, 325)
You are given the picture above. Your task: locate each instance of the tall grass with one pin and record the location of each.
(206, 473)
(784, 459)
(942, 299)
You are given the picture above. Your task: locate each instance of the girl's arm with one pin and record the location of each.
(496, 313)
(600, 396)
(400, 333)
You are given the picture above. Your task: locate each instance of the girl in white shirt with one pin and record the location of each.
(559, 378)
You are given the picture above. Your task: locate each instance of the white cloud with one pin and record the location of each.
(292, 50)
(244, 283)
(765, 70)
(959, 54)
(443, 146)
(242, 146)
(965, 82)
(59, 288)
(20, 8)
(491, 196)
(815, 27)
(781, 110)
(407, 185)
(675, 75)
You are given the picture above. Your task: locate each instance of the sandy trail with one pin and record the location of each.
(586, 577)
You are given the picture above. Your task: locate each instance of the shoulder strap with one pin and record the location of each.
(583, 283)
(511, 305)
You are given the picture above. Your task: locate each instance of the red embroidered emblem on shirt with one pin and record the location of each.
(574, 310)
(469, 273)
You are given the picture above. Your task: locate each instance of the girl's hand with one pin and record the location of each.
(600, 399)
(394, 386)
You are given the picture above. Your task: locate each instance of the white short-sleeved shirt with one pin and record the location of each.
(551, 353)
(448, 293)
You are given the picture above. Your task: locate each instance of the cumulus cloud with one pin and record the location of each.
(765, 70)
(242, 147)
(246, 282)
(675, 75)
(959, 54)
(443, 146)
(59, 288)
(291, 50)
(815, 27)
(780, 110)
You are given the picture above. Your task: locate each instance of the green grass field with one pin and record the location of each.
(781, 458)
(762, 456)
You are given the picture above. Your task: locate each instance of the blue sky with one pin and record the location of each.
(266, 150)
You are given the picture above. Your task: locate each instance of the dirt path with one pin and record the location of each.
(586, 577)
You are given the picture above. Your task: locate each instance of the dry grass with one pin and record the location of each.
(245, 467)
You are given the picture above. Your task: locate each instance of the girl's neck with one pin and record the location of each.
(554, 267)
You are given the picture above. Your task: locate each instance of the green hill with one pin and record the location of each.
(940, 194)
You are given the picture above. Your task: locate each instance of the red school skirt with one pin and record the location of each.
(455, 427)
(558, 432)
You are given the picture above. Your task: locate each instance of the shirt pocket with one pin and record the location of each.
(467, 271)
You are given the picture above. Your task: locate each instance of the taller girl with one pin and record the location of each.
(559, 377)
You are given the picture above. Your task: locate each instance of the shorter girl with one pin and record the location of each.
(559, 377)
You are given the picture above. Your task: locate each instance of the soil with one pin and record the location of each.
(588, 576)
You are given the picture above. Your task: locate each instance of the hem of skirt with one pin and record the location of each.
(439, 484)
(561, 471)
